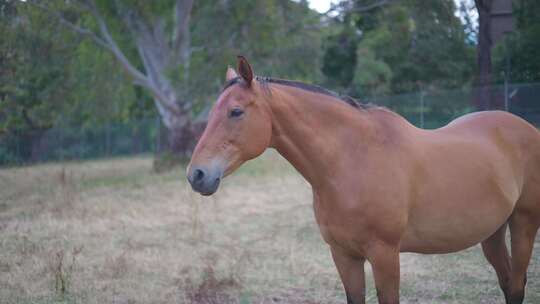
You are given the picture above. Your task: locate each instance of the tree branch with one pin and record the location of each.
(28, 120)
(106, 41)
(182, 13)
(153, 51)
(70, 25)
(347, 6)
(138, 76)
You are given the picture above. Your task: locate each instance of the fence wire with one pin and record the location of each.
(68, 142)
(432, 109)
(426, 109)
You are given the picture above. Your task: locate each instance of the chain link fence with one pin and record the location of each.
(427, 109)
(432, 109)
(68, 142)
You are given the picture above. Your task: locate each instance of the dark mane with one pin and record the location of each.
(232, 82)
(304, 86)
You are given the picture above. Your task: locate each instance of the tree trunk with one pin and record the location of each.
(483, 95)
(182, 132)
(180, 137)
(37, 146)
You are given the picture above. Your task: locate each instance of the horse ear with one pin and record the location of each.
(245, 70)
(231, 74)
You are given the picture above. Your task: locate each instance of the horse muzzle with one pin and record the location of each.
(204, 180)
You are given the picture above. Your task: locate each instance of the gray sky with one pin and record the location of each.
(323, 6)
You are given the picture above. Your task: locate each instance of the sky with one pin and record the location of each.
(323, 6)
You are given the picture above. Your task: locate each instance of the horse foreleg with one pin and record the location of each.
(523, 228)
(497, 255)
(384, 260)
(351, 272)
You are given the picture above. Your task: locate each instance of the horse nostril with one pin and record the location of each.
(203, 180)
(198, 175)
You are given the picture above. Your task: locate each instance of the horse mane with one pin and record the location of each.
(304, 86)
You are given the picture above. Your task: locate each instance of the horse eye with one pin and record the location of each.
(236, 113)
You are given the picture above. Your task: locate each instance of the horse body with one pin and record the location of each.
(468, 178)
(382, 186)
(434, 185)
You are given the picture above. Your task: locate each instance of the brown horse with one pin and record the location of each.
(380, 185)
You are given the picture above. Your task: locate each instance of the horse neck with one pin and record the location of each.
(313, 131)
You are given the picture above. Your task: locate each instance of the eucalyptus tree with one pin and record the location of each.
(177, 50)
(485, 42)
(152, 43)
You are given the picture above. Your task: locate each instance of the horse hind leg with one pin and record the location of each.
(523, 229)
(496, 253)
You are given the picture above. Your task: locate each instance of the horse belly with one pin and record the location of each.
(453, 231)
(456, 220)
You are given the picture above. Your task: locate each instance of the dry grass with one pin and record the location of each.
(113, 232)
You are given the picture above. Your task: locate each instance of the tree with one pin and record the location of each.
(484, 53)
(35, 76)
(62, 73)
(340, 56)
(521, 48)
(158, 46)
(178, 62)
(516, 57)
(400, 46)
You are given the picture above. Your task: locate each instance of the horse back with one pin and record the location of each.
(516, 140)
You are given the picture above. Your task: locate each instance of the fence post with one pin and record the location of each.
(422, 109)
(506, 75)
(108, 139)
(18, 145)
(506, 105)
(61, 141)
(82, 143)
(158, 135)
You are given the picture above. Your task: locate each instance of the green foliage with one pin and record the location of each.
(34, 78)
(54, 79)
(401, 47)
(281, 38)
(372, 73)
(520, 51)
(101, 93)
(340, 57)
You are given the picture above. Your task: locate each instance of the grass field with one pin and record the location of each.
(112, 231)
